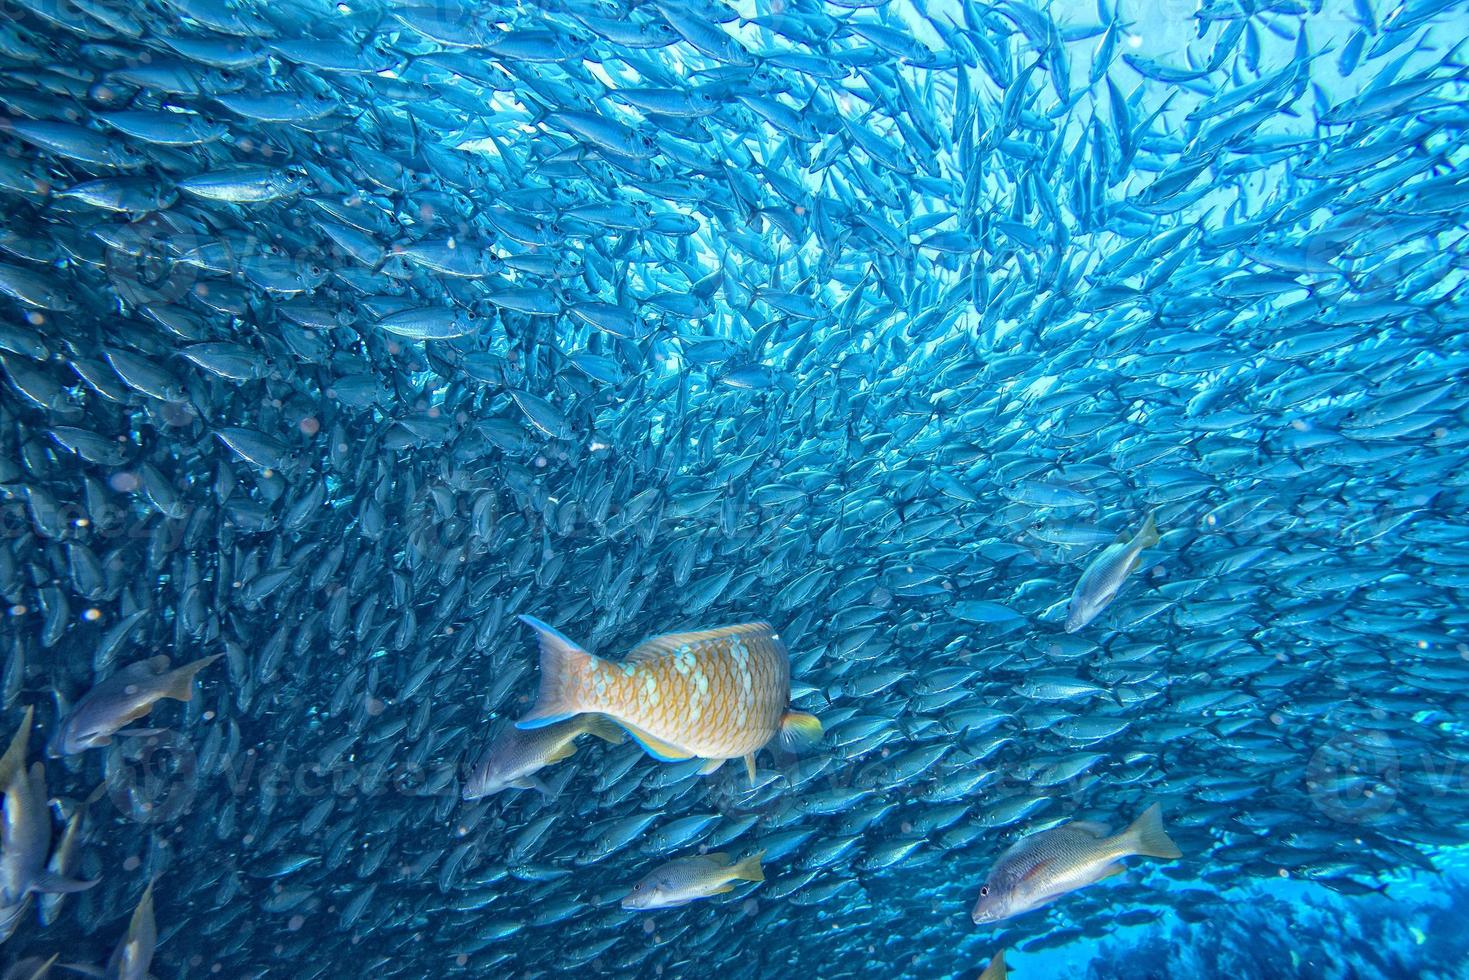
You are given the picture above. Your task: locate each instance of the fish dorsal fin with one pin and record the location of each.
(719, 857)
(1097, 830)
(656, 747)
(152, 667)
(1123, 537)
(668, 644)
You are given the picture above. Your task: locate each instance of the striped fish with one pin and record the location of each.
(711, 694)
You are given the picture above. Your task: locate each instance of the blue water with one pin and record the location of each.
(1077, 393)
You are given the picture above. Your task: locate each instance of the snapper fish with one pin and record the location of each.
(688, 879)
(1042, 867)
(714, 694)
(1106, 574)
(515, 756)
(123, 697)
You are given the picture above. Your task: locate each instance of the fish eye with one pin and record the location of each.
(984, 890)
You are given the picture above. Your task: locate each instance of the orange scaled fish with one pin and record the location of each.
(712, 694)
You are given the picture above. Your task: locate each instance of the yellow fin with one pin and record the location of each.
(1147, 837)
(564, 751)
(748, 869)
(656, 747)
(179, 684)
(727, 887)
(712, 766)
(602, 727)
(14, 757)
(750, 768)
(1113, 870)
(799, 729)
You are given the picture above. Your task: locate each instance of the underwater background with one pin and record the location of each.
(1076, 391)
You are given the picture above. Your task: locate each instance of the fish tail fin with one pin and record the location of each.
(1146, 836)
(748, 869)
(1148, 536)
(180, 683)
(604, 728)
(799, 729)
(563, 664)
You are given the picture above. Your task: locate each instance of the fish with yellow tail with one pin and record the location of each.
(714, 694)
(688, 879)
(1106, 575)
(1039, 869)
(515, 756)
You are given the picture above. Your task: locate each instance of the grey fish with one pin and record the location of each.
(1105, 575)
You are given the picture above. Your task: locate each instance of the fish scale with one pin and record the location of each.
(712, 694)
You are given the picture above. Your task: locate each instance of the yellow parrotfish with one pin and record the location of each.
(711, 694)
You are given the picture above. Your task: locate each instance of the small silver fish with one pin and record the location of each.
(516, 755)
(1104, 577)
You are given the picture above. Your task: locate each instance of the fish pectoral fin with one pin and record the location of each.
(750, 768)
(531, 782)
(50, 883)
(712, 766)
(139, 732)
(798, 729)
(656, 747)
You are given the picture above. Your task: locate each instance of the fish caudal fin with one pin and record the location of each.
(604, 728)
(748, 869)
(14, 759)
(563, 664)
(1147, 837)
(798, 730)
(179, 684)
(996, 969)
(1148, 536)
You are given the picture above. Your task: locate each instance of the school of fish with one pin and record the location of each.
(984, 431)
